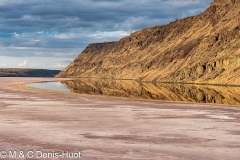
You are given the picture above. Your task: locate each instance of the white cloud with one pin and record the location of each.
(35, 62)
(23, 64)
(184, 3)
(108, 36)
(64, 36)
(3, 65)
(59, 66)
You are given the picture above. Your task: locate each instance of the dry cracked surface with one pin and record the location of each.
(114, 128)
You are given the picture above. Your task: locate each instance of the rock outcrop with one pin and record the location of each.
(201, 49)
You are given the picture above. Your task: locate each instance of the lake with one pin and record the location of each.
(55, 85)
(159, 91)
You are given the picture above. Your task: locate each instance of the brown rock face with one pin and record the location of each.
(202, 49)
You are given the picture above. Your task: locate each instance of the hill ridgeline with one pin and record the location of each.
(200, 49)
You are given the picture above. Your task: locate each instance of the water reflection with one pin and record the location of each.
(58, 86)
(170, 92)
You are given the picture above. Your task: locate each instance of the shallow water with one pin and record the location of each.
(58, 86)
(158, 91)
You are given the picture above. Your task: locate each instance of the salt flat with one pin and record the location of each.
(114, 128)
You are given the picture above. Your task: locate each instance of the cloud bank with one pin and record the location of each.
(62, 29)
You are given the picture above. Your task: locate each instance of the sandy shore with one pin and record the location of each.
(112, 128)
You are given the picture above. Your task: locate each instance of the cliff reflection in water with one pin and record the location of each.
(159, 91)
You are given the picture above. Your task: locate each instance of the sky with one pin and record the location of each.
(49, 34)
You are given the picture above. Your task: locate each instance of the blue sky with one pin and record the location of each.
(51, 33)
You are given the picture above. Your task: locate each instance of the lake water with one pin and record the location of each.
(158, 91)
(58, 86)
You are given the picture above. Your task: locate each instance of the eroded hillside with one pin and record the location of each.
(202, 48)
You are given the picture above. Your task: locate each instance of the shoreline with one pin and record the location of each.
(159, 82)
(123, 98)
(114, 128)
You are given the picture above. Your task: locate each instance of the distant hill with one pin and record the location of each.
(24, 72)
(201, 49)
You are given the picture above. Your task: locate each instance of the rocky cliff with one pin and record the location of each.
(200, 49)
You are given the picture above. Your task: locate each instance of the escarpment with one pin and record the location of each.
(203, 49)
